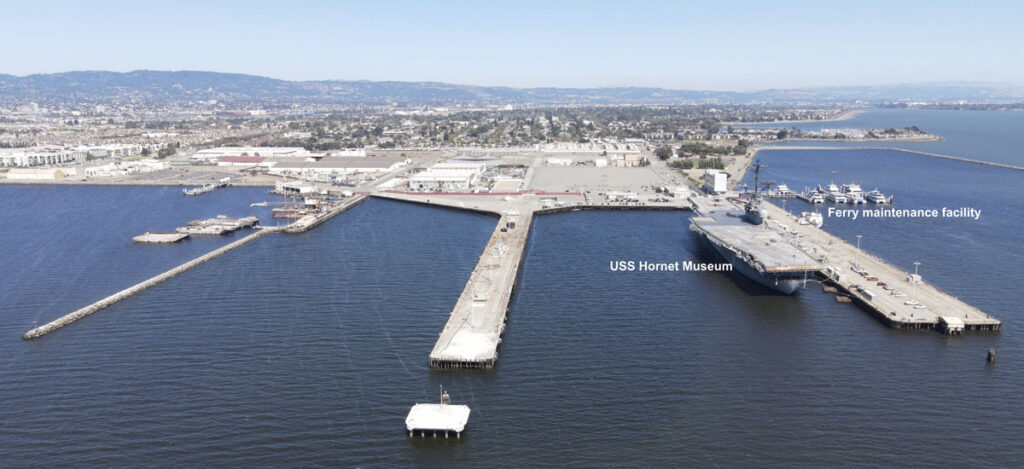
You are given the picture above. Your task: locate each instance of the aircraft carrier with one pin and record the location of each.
(767, 254)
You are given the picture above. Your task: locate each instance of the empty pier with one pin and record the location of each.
(116, 297)
(471, 336)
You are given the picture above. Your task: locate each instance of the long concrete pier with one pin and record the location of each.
(471, 336)
(121, 295)
(907, 304)
(299, 226)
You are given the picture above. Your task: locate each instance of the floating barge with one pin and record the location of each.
(434, 419)
(159, 237)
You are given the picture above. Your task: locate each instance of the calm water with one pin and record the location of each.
(308, 350)
(996, 136)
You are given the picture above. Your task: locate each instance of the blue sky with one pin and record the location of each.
(684, 45)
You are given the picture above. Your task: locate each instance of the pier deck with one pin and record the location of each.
(471, 336)
(889, 309)
(139, 287)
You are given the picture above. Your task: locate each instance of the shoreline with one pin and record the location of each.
(845, 115)
(923, 138)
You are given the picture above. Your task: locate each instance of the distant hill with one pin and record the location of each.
(159, 87)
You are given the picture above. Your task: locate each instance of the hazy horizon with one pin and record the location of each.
(965, 83)
(741, 46)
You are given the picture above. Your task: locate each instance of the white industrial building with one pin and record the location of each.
(715, 181)
(449, 176)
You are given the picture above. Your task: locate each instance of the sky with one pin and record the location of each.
(713, 45)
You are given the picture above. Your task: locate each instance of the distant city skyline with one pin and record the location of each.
(742, 46)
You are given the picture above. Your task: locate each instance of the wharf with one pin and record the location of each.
(309, 222)
(156, 237)
(471, 336)
(941, 311)
(783, 245)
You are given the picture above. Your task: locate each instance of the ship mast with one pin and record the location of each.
(757, 178)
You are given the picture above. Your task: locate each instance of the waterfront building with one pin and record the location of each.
(715, 181)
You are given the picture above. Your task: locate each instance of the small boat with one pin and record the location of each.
(259, 204)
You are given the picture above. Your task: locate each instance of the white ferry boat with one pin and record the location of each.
(782, 191)
(836, 197)
(877, 197)
(833, 194)
(854, 194)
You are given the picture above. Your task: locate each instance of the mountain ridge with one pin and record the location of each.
(156, 87)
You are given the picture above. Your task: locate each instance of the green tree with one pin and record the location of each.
(663, 152)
